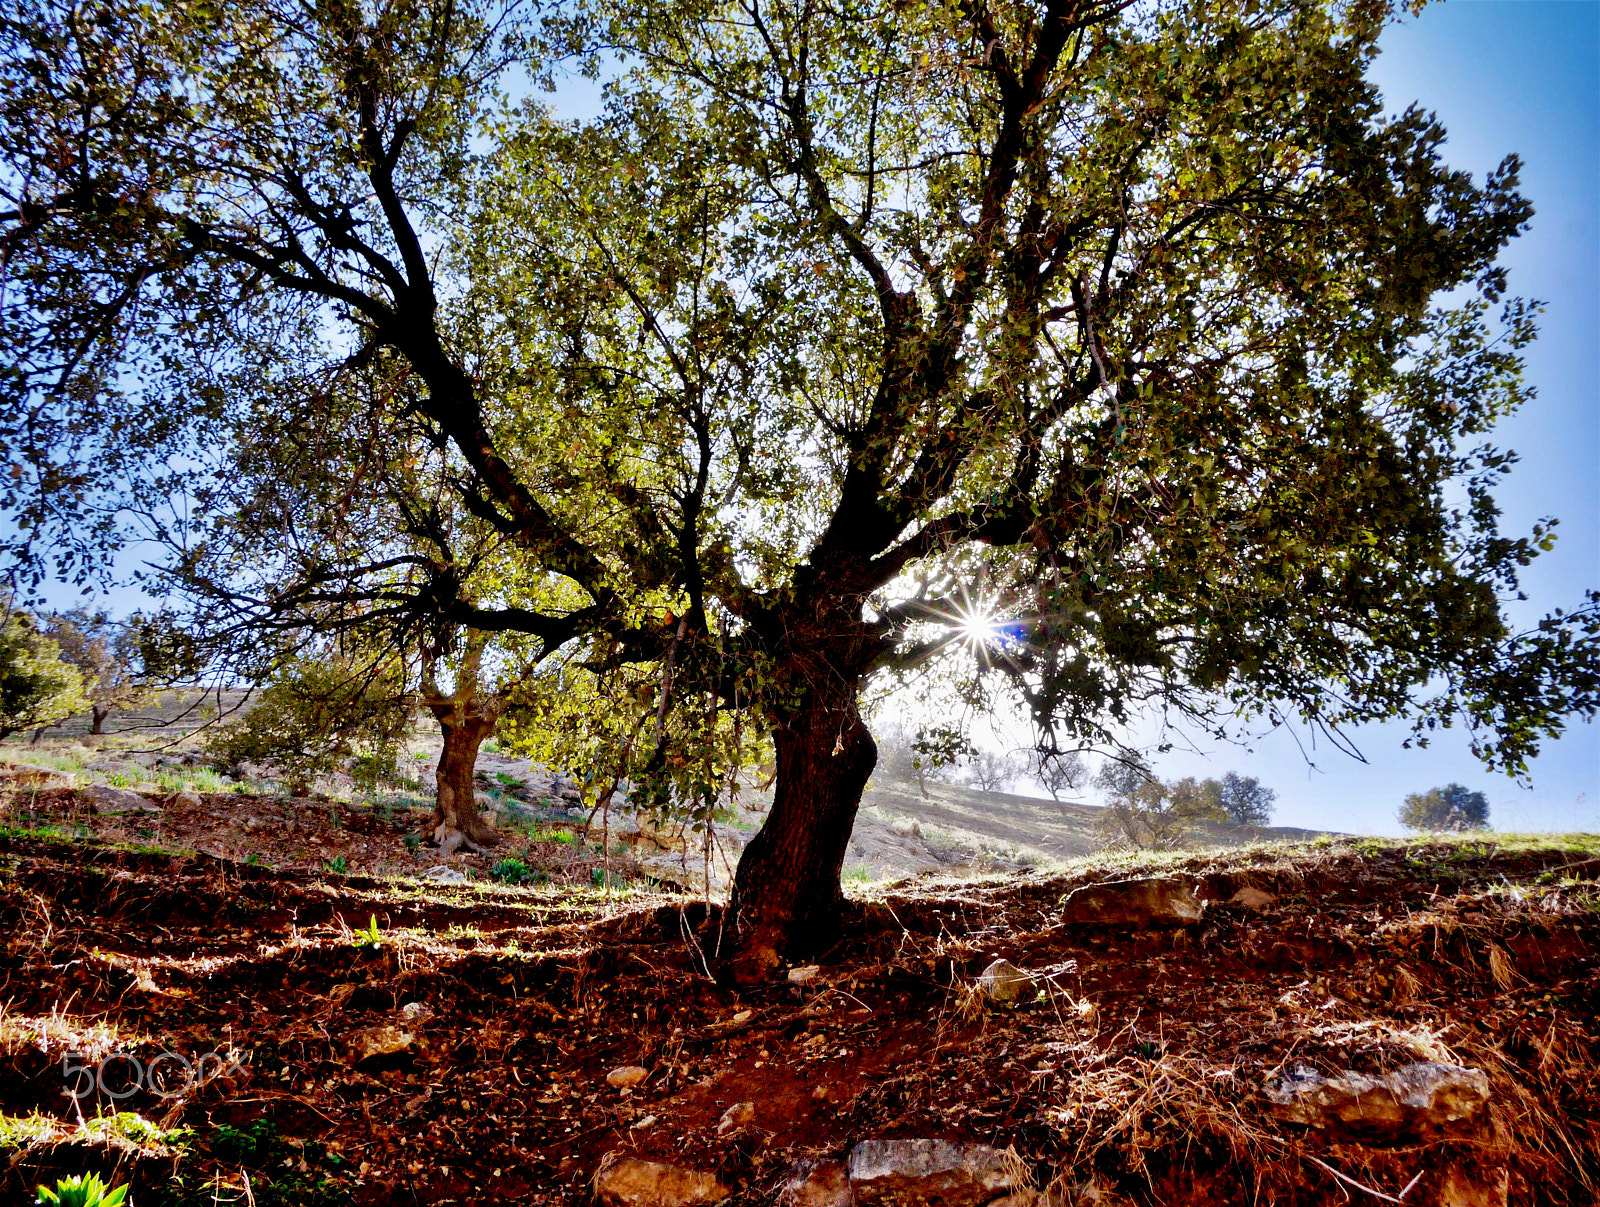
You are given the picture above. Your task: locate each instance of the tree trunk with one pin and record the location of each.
(99, 716)
(456, 820)
(786, 894)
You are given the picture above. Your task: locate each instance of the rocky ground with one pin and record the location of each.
(1333, 1022)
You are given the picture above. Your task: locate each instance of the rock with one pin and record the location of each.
(382, 1040)
(817, 1184)
(440, 874)
(1427, 1100)
(191, 800)
(1252, 898)
(1132, 903)
(626, 1076)
(26, 775)
(804, 975)
(911, 1173)
(634, 1183)
(689, 875)
(415, 1012)
(107, 799)
(739, 1115)
(1005, 983)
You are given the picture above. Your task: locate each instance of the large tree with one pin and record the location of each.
(1124, 355)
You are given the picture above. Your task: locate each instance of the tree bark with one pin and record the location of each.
(786, 897)
(99, 716)
(456, 820)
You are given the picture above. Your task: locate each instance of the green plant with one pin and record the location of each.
(253, 859)
(509, 871)
(257, 1141)
(37, 687)
(412, 843)
(338, 865)
(82, 1190)
(369, 937)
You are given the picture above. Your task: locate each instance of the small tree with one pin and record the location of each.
(1244, 799)
(989, 771)
(1057, 770)
(1145, 813)
(1449, 808)
(106, 655)
(36, 687)
(316, 714)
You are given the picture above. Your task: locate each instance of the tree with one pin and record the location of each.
(990, 771)
(1057, 770)
(36, 687)
(1245, 800)
(1449, 808)
(317, 713)
(106, 655)
(1101, 343)
(1146, 813)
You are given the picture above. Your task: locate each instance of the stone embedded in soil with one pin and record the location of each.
(1133, 903)
(1252, 898)
(737, 1116)
(911, 1173)
(440, 874)
(1004, 982)
(107, 799)
(627, 1076)
(1476, 1188)
(26, 775)
(382, 1040)
(804, 975)
(634, 1183)
(1420, 1100)
(817, 1184)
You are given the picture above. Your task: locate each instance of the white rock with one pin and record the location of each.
(737, 1116)
(626, 1076)
(634, 1183)
(1426, 1099)
(804, 975)
(927, 1171)
(107, 799)
(440, 874)
(1004, 982)
(817, 1184)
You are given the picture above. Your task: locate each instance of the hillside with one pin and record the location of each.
(295, 1034)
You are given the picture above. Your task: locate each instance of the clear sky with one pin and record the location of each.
(1503, 76)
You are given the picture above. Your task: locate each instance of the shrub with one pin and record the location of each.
(509, 871)
(36, 687)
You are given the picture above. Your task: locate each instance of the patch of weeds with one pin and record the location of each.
(509, 871)
(565, 837)
(508, 781)
(254, 860)
(82, 1190)
(252, 1144)
(338, 865)
(277, 1178)
(856, 873)
(369, 938)
(120, 779)
(412, 843)
(598, 878)
(19, 1131)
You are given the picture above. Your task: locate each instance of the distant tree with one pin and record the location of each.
(1145, 813)
(1057, 770)
(1449, 808)
(36, 687)
(1244, 799)
(990, 771)
(106, 654)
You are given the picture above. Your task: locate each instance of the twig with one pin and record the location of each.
(1377, 1194)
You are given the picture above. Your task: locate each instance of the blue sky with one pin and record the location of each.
(1503, 76)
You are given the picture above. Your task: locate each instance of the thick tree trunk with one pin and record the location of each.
(99, 716)
(786, 892)
(456, 821)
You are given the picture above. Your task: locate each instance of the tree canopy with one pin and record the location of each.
(1452, 807)
(37, 688)
(1123, 356)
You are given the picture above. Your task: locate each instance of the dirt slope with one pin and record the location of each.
(1138, 1069)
